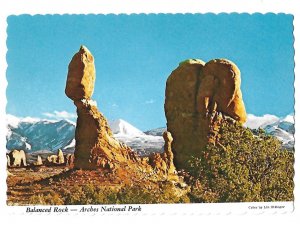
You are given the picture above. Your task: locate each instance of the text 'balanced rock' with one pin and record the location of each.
(195, 92)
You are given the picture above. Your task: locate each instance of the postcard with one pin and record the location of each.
(116, 112)
(109, 114)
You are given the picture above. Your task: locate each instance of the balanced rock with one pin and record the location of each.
(17, 158)
(196, 92)
(95, 145)
(81, 75)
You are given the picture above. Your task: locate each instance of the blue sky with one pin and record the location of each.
(135, 54)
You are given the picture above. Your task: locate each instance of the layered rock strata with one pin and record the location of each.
(196, 93)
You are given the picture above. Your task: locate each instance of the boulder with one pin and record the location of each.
(81, 75)
(197, 93)
(17, 158)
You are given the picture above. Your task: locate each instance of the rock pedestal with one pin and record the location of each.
(195, 93)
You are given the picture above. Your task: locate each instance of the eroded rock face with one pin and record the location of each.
(95, 145)
(220, 90)
(195, 93)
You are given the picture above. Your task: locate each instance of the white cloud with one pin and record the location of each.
(151, 101)
(114, 105)
(254, 122)
(14, 121)
(60, 115)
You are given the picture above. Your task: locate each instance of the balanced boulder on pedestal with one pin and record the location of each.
(95, 145)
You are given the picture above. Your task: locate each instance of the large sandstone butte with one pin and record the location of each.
(95, 145)
(197, 93)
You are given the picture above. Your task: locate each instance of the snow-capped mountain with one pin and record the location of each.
(122, 128)
(46, 136)
(42, 136)
(34, 135)
(282, 128)
(135, 138)
(156, 132)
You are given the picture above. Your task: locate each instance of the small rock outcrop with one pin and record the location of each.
(168, 154)
(69, 159)
(163, 162)
(197, 93)
(95, 145)
(16, 159)
(38, 162)
(56, 159)
(60, 157)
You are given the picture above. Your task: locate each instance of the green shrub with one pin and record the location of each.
(242, 167)
(51, 198)
(89, 194)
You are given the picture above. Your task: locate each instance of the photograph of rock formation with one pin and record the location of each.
(212, 96)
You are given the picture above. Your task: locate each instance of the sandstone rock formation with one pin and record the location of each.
(17, 159)
(95, 145)
(197, 93)
(60, 157)
(8, 160)
(69, 159)
(51, 159)
(56, 159)
(163, 162)
(38, 162)
(168, 154)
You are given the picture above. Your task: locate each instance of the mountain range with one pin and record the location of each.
(47, 136)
